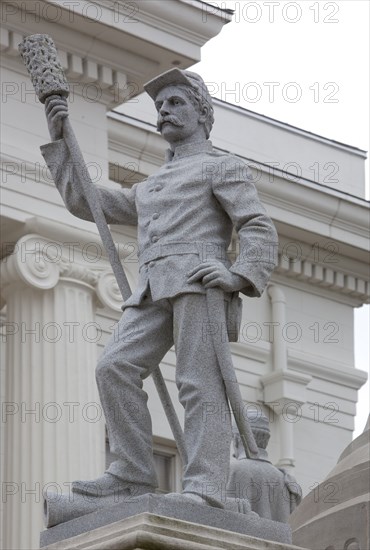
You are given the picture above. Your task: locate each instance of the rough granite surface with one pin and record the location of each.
(249, 524)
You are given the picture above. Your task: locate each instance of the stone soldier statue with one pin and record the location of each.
(185, 214)
(272, 492)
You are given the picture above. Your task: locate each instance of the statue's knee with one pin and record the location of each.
(190, 390)
(112, 369)
(103, 368)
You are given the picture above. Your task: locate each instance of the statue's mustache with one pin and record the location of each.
(170, 118)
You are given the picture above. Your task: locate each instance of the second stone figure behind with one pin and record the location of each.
(271, 492)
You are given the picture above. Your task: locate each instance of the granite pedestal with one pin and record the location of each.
(149, 531)
(157, 506)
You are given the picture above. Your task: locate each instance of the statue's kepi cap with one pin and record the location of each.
(257, 420)
(177, 76)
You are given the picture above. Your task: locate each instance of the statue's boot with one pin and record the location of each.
(109, 484)
(88, 496)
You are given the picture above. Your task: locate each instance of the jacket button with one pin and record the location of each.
(155, 216)
(151, 264)
(155, 238)
(158, 188)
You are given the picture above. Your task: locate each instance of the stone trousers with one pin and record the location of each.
(142, 337)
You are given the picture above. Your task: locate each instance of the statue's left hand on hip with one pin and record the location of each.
(215, 274)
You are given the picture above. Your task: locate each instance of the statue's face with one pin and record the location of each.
(178, 119)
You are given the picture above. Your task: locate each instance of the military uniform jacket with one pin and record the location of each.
(185, 214)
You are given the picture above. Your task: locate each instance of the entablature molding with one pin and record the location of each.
(114, 45)
(272, 122)
(144, 149)
(62, 234)
(177, 25)
(197, 21)
(24, 169)
(356, 289)
(93, 79)
(132, 158)
(310, 368)
(298, 244)
(326, 369)
(315, 208)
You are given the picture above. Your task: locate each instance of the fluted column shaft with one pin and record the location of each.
(54, 429)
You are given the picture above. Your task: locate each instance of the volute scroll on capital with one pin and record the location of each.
(31, 264)
(108, 292)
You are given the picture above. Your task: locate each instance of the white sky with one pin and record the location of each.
(322, 47)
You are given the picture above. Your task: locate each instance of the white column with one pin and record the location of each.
(278, 307)
(54, 428)
(284, 389)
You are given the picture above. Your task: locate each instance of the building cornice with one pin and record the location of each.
(115, 44)
(108, 83)
(59, 233)
(326, 369)
(144, 149)
(273, 176)
(290, 128)
(273, 144)
(153, 21)
(315, 288)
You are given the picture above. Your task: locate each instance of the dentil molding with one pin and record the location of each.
(88, 77)
(325, 277)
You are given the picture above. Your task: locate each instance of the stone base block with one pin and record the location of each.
(158, 506)
(154, 532)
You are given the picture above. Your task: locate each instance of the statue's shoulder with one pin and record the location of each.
(225, 156)
(229, 167)
(229, 161)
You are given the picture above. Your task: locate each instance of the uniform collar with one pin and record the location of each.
(188, 150)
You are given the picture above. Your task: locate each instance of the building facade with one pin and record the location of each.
(294, 358)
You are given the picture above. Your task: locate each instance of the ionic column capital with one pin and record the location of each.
(108, 291)
(77, 272)
(41, 263)
(29, 264)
